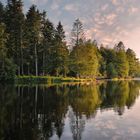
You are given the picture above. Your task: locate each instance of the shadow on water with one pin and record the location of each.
(39, 112)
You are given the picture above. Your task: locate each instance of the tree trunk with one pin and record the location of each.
(28, 69)
(18, 70)
(21, 52)
(36, 61)
(43, 63)
(36, 93)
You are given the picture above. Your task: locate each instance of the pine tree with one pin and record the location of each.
(62, 51)
(32, 37)
(14, 20)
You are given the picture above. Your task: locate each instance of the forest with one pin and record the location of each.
(30, 44)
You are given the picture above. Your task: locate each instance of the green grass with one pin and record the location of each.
(48, 79)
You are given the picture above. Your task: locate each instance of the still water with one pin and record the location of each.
(103, 111)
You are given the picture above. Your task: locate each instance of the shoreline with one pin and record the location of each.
(53, 79)
(50, 79)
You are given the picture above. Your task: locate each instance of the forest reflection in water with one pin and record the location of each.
(43, 112)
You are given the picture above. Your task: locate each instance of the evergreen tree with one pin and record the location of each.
(32, 45)
(2, 13)
(108, 65)
(131, 57)
(121, 62)
(119, 47)
(7, 68)
(111, 70)
(14, 20)
(62, 51)
(32, 37)
(48, 47)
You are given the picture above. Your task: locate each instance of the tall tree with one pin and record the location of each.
(2, 12)
(121, 62)
(14, 23)
(33, 35)
(108, 64)
(77, 33)
(7, 68)
(119, 47)
(84, 65)
(56, 56)
(62, 51)
(48, 32)
(132, 60)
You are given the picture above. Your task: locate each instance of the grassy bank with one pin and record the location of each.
(48, 79)
(53, 79)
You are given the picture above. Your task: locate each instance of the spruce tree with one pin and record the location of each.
(48, 47)
(7, 68)
(2, 13)
(62, 51)
(32, 37)
(14, 21)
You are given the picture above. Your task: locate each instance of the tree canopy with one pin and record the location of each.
(30, 44)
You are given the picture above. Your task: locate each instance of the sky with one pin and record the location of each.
(107, 21)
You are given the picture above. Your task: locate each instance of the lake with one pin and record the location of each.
(102, 111)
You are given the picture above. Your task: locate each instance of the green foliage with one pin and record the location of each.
(132, 60)
(7, 68)
(111, 71)
(7, 72)
(122, 64)
(14, 20)
(31, 45)
(32, 37)
(57, 56)
(83, 60)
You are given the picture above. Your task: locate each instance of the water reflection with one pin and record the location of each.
(50, 112)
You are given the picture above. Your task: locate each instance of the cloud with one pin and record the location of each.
(110, 18)
(115, 2)
(107, 40)
(104, 7)
(71, 8)
(133, 10)
(38, 2)
(107, 21)
(92, 33)
(132, 40)
(120, 9)
(55, 4)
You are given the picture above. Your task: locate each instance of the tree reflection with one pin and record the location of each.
(133, 93)
(39, 112)
(117, 95)
(84, 101)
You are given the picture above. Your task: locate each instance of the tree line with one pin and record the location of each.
(30, 44)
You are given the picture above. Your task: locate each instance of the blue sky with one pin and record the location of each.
(107, 21)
